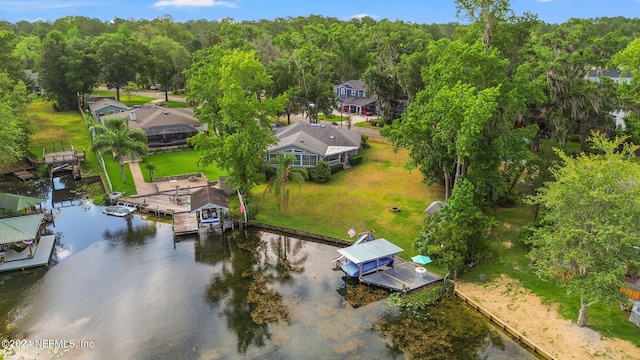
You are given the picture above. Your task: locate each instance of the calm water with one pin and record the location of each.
(124, 289)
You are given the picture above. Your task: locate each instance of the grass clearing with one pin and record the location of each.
(360, 197)
(67, 127)
(177, 163)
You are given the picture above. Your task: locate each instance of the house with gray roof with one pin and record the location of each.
(163, 126)
(310, 143)
(102, 107)
(353, 98)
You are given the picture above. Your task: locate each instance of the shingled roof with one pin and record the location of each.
(208, 197)
(319, 139)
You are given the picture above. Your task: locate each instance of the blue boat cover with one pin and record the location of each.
(353, 270)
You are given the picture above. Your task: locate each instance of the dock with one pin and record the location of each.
(41, 256)
(185, 223)
(402, 276)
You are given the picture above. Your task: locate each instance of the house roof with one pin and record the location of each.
(20, 228)
(609, 73)
(146, 117)
(104, 102)
(358, 101)
(352, 84)
(370, 250)
(317, 138)
(208, 197)
(15, 202)
(435, 206)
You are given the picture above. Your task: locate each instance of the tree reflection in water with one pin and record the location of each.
(242, 285)
(445, 331)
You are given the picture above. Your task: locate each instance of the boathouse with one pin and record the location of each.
(21, 245)
(210, 205)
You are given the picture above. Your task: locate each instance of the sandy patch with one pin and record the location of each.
(542, 324)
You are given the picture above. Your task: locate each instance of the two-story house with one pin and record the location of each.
(617, 77)
(353, 98)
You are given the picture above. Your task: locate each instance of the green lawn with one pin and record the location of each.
(58, 128)
(360, 197)
(177, 163)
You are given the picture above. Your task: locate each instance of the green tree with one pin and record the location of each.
(67, 69)
(169, 60)
(115, 136)
(456, 235)
(227, 90)
(285, 173)
(151, 167)
(14, 125)
(589, 222)
(321, 172)
(121, 57)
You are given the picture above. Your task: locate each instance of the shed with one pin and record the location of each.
(435, 206)
(210, 205)
(369, 252)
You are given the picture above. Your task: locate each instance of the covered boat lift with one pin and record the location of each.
(369, 256)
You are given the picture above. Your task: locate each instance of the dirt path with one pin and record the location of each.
(541, 323)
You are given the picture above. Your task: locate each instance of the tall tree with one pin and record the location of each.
(589, 222)
(121, 57)
(455, 236)
(14, 125)
(227, 90)
(169, 60)
(285, 173)
(68, 68)
(119, 139)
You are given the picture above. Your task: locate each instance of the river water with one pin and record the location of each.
(122, 288)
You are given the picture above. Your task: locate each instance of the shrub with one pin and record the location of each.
(321, 172)
(365, 142)
(355, 160)
(335, 168)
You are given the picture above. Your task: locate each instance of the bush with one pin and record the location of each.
(365, 142)
(321, 172)
(355, 160)
(335, 168)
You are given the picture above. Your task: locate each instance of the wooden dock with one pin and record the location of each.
(185, 223)
(401, 277)
(41, 256)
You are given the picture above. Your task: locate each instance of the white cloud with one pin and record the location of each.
(192, 3)
(360, 16)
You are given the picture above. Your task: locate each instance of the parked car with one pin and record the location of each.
(367, 112)
(154, 87)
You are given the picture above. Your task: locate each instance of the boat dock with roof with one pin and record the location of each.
(368, 262)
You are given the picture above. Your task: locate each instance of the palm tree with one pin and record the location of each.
(117, 137)
(284, 173)
(151, 167)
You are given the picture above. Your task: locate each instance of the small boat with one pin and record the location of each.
(353, 270)
(119, 210)
(367, 257)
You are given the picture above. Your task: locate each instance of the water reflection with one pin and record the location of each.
(125, 285)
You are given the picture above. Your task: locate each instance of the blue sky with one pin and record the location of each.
(419, 11)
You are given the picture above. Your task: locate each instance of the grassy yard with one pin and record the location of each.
(58, 128)
(177, 163)
(360, 197)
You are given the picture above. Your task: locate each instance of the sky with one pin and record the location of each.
(417, 11)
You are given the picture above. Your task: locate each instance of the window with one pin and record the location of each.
(309, 160)
(343, 91)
